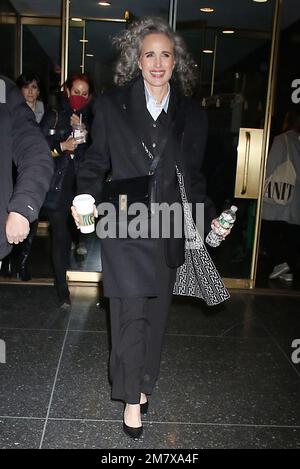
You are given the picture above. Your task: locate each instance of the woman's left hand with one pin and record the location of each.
(215, 225)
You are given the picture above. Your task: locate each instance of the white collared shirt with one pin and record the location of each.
(153, 106)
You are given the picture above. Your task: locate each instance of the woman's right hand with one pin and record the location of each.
(69, 144)
(75, 215)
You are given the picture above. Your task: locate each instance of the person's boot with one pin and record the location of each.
(23, 273)
(24, 253)
(6, 267)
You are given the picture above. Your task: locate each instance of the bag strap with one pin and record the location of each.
(155, 159)
(56, 118)
(287, 146)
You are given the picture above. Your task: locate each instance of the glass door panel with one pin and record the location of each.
(232, 47)
(276, 240)
(89, 56)
(41, 55)
(91, 29)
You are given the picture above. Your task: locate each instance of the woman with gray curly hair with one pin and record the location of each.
(129, 43)
(146, 122)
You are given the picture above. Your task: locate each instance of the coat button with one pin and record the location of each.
(153, 145)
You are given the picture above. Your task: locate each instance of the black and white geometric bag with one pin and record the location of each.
(198, 276)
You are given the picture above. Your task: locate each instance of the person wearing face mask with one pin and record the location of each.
(68, 150)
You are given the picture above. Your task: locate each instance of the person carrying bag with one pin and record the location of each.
(281, 208)
(280, 185)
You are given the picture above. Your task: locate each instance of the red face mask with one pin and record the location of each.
(77, 102)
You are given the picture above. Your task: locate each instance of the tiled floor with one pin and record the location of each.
(227, 379)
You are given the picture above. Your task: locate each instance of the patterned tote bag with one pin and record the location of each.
(198, 276)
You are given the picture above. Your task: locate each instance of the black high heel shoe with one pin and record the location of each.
(144, 408)
(133, 432)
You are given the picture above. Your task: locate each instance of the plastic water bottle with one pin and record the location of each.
(226, 220)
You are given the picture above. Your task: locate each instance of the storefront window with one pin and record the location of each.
(41, 55)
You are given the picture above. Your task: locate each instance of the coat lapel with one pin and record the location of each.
(133, 102)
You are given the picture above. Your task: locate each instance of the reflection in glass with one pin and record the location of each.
(95, 57)
(8, 40)
(233, 89)
(41, 55)
(286, 106)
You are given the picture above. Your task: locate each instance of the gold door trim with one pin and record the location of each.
(65, 20)
(40, 20)
(267, 130)
(249, 163)
(238, 283)
(78, 276)
(96, 277)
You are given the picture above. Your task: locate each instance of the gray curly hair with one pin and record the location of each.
(129, 43)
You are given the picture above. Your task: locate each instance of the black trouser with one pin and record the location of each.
(137, 328)
(61, 233)
(281, 241)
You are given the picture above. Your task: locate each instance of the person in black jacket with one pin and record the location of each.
(23, 144)
(68, 152)
(149, 114)
(29, 85)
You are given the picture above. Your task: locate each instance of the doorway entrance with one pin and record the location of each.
(234, 46)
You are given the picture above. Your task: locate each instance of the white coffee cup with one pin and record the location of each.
(84, 205)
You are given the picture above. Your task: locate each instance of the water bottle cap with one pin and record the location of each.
(233, 208)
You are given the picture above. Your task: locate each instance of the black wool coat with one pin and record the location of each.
(130, 265)
(59, 119)
(21, 143)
